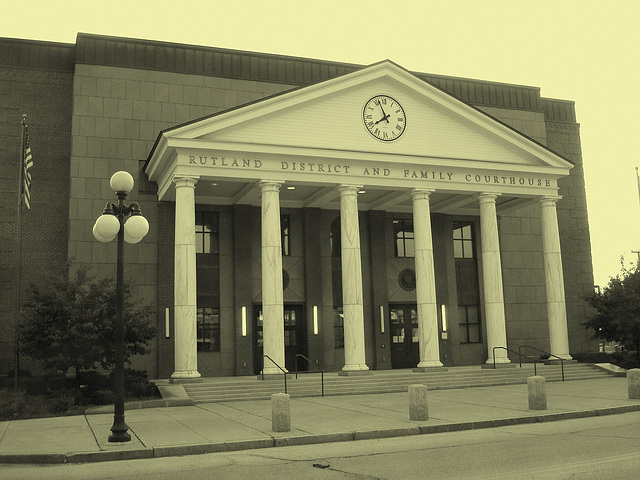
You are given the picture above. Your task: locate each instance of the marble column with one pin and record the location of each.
(429, 343)
(492, 279)
(272, 297)
(185, 290)
(352, 300)
(554, 279)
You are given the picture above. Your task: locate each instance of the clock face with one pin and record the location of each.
(384, 118)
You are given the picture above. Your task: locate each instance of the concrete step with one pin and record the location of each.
(388, 381)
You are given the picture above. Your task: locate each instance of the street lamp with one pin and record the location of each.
(127, 223)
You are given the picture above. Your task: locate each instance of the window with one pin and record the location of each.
(403, 233)
(338, 328)
(207, 232)
(467, 282)
(469, 322)
(336, 263)
(208, 327)
(284, 235)
(462, 240)
(208, 282)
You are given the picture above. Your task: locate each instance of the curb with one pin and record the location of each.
(197, 449)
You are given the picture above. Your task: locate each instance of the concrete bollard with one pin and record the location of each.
(633, 383)
(418, 407)
(280, 412)
(537, 393)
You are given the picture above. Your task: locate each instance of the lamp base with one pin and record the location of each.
(119, 430)
(119, 437)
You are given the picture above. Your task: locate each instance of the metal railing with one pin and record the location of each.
(534, 361)
(281, 369)
(309, 363)
(284, 372)
(545, 353)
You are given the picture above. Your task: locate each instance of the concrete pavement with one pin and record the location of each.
(218, 427)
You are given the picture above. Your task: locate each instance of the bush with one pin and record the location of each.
(68, 321)
(625, 360)
(57, 395)
(137, 384)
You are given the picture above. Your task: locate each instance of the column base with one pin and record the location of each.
(498, 360)
(356, 369)
(429, 369)
(273, 371)
(429, 364)
(555, 361)
(186, 376)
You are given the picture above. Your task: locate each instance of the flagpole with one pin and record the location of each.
(638, 180)
(23, 126)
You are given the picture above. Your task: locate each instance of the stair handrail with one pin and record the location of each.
(546, 353)
(534, 361)
(317, 371)
(281, 369)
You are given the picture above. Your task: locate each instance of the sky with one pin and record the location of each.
(580, 50)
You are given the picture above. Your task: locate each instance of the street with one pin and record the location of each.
(589, 448)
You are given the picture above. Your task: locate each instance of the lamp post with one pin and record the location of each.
(127, 224)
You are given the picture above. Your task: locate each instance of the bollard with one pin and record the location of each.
(280, 412)
(633, 383)
(537, 393)
(418, 407)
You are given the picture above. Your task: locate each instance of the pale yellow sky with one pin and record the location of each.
(580, 50)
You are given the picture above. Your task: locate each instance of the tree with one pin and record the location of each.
(68, 321)
(617, 306)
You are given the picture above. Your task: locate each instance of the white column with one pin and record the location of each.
(425, 281)
(492, 279)
(352, 302)
(185, 290)
(554, 279)
(272, 306)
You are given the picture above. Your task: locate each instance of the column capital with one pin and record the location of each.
(487, 197)
(348, 189)
(421, 193)
(270, 185)
(185, 180)
(549, 200)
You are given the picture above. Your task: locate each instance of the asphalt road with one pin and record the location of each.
(590, 448)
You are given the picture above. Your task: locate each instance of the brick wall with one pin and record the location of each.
(36, 80)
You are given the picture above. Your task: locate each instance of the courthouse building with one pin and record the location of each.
(331, 216)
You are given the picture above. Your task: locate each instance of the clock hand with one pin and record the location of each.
(386, 117)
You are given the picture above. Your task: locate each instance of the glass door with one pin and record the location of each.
(405, 352)
(294, 338)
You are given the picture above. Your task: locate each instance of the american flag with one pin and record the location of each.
(27, 164)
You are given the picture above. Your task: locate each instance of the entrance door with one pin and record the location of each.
(294, 338)
(405, 352)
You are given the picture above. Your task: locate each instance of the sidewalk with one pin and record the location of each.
(217, 427)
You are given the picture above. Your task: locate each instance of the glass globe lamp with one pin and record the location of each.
(121, 182)
(106, 227)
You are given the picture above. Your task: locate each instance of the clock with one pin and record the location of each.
(384, 118)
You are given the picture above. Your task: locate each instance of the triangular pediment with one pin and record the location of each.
(326, 121)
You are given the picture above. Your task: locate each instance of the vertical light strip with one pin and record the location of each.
(315, 319)
(244, 321)
(381, 319)
(443, 309)
(167, 327)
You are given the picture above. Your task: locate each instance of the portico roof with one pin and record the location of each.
(314, 138)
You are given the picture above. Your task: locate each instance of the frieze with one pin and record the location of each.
(341, 169)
